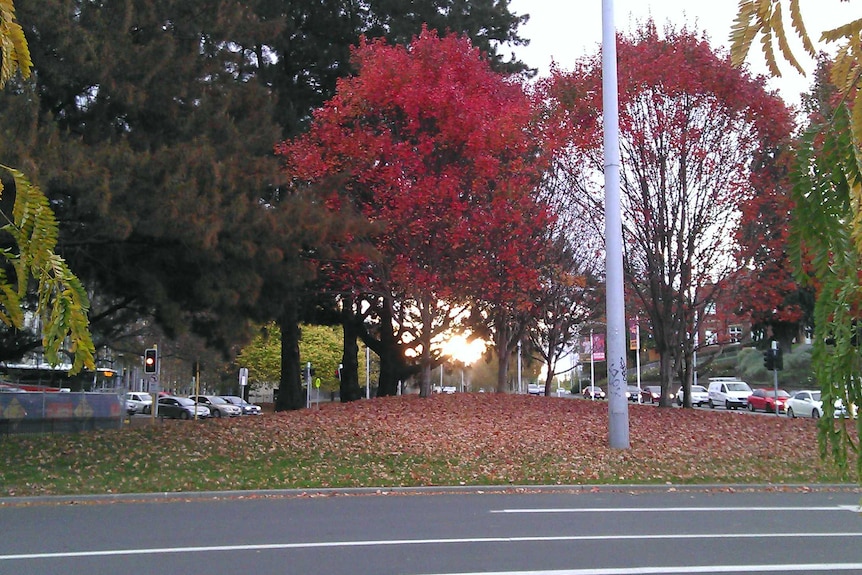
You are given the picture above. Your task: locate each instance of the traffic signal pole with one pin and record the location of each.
(775, 356)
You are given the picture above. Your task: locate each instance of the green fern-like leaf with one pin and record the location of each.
(13, 45)
(62, 300)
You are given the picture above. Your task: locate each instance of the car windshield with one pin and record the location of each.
(698, 388)
(737, 386)
(216, 400)
(781, 394)
(184, 401)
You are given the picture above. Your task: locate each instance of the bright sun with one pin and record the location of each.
(459, 349)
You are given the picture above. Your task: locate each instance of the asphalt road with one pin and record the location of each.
(571, 532)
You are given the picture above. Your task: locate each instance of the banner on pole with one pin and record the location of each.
(598, 347)
(634, 335)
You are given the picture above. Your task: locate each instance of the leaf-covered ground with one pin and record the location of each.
(460, 439)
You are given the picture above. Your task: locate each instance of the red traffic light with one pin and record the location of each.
(150, 358)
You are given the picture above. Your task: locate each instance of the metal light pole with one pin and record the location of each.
(618, 421)
(520, 388)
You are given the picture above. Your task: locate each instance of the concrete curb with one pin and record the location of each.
(421, 490)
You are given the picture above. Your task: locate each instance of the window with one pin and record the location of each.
(735, 333)
(709, 308)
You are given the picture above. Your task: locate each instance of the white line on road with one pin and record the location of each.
(808, 568)
(384, 543)
(853, 508)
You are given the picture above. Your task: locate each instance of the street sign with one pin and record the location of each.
(243, 376)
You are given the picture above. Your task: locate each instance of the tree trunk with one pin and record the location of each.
(290, 394)
(425, 337)
(389, 353)
(503, 345)
(350, 390)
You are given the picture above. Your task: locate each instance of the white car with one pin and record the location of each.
(699, 395)
(728, 392)
(218, 407)
(807, 403)
(138, 402)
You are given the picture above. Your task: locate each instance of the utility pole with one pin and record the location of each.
(618, 420)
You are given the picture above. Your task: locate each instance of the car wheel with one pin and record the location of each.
(711, 404)
(216, 413)
(751, 407)
(815, 414)
(790, 413)
(727, 405)
(184, 415)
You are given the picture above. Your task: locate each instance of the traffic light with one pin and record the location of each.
(768, 360)
(151, 357)
(778, 359)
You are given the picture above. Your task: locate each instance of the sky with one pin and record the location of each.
(564, 30)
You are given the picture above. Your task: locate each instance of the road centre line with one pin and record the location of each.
(807, 568)
(852, 508)
(395, 542)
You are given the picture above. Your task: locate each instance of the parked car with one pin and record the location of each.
(766, 400)
(652, 394)
(535, 389)
(633, 393)
(728, 392)
(175, 407)
(807, 403)
(138, 402)
(247, 408)
(218, 407)
(593, 392)
(699, 395)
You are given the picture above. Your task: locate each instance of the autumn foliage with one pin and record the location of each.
(460, 439)
(434, 148)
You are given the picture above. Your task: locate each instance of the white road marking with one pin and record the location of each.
(386, 543)
(853, 508)
(810, 567)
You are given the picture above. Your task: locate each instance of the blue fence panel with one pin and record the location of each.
(59, 412)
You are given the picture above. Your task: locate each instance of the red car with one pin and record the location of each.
(765, 399)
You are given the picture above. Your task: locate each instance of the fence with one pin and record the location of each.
(34, 412)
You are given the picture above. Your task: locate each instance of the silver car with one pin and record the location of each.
(247, 408)
(138, 402)
(218, 407)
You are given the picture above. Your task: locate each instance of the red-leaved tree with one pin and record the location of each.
(690, 127)
(435, 150)
(764, 289)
